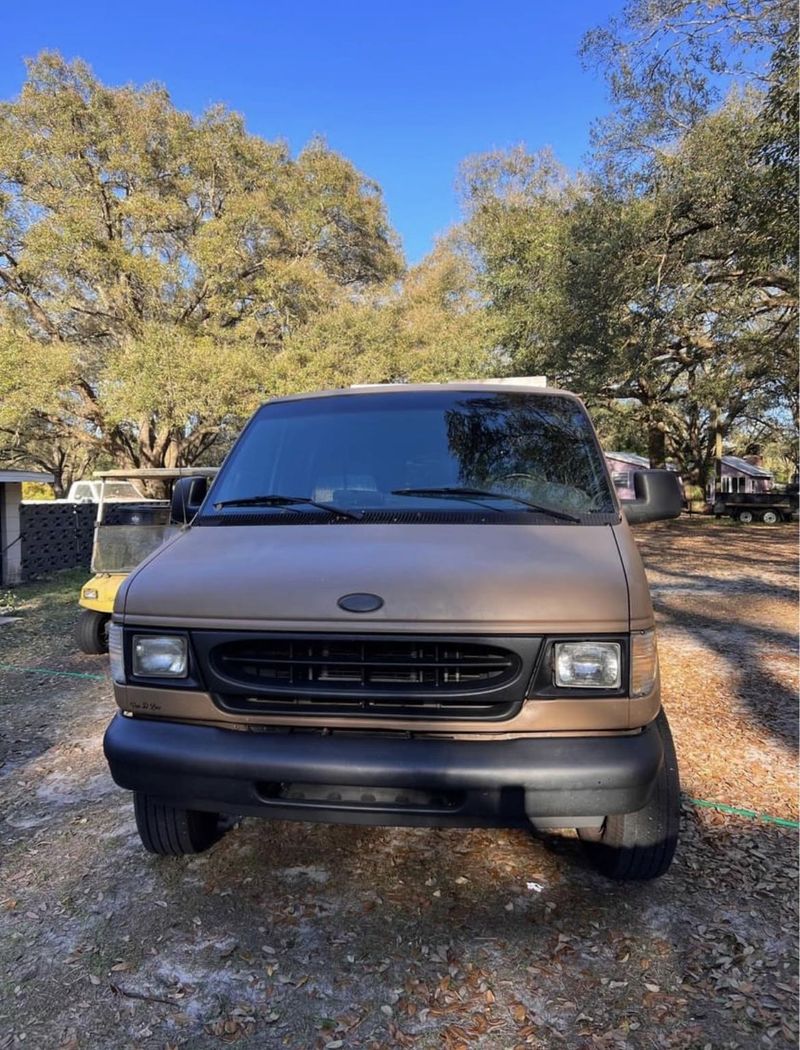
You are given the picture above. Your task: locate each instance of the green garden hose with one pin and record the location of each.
(723, 807)
(48, 670)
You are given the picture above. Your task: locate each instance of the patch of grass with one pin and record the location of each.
(45, 604)
(62, 587)
(47, 611)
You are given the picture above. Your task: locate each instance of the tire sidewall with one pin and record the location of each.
(92, 632)
(641, 845)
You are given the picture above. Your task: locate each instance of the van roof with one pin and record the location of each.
(501, 386)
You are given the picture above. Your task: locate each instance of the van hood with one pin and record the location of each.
(481, 578)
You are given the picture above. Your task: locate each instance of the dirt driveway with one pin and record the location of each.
(293, 935)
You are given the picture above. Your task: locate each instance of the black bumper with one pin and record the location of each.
(361, 779)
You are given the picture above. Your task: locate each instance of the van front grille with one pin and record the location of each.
(374, 665)
(386, 676)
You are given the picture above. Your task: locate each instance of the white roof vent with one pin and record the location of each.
(532, 381)
(537, 381)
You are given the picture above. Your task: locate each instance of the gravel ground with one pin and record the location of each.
(293, 935)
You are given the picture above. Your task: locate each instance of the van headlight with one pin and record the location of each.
(644, 662)
(588, 665)
(160, 656)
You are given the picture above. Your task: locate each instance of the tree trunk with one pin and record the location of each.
(657, 445)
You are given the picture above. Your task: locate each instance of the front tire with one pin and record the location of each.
(171, 831)
(746, 517)
(641, 845)
(91, 632)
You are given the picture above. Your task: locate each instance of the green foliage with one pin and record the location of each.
(516, 204)
(668, 287)
(152, 264)
(620, 426)
(161, 274)
(37, 490)
(669, 63)
(431, 329)
(777, 142)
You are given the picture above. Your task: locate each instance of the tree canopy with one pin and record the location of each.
(669, 287)
(668, 63)
(151, 263)
(162, 273)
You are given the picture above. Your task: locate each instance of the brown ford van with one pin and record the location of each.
(409, 605)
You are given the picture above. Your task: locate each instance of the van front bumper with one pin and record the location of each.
(395, 780)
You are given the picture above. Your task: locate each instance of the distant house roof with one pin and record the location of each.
(26, 475)
(629, 457)
(737, 463)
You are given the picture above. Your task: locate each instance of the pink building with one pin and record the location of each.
(743, 475)
(621, 466)
(738, 474)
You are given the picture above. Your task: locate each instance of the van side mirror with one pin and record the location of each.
(658, 496)
(187, 497)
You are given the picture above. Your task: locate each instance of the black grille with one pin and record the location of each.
(377, 675)
(355, 665)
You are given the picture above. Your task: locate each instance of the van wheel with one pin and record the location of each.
(770, 517)
(173, 832)
(91, 632)
(641, 845)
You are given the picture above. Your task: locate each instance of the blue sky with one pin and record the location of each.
(405, 89)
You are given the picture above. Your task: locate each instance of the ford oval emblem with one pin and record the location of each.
(360, 603)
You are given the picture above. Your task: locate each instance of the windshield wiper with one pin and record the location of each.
(476, 495)
(276, 500)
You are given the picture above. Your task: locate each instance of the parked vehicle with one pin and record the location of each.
(413, 605)
(89, 491)
(748, 507)
(124, 533)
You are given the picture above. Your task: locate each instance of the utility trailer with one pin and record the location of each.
(747, 507)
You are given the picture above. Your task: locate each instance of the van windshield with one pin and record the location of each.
(439, 451)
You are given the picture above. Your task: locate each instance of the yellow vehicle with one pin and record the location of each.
(124, 534)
